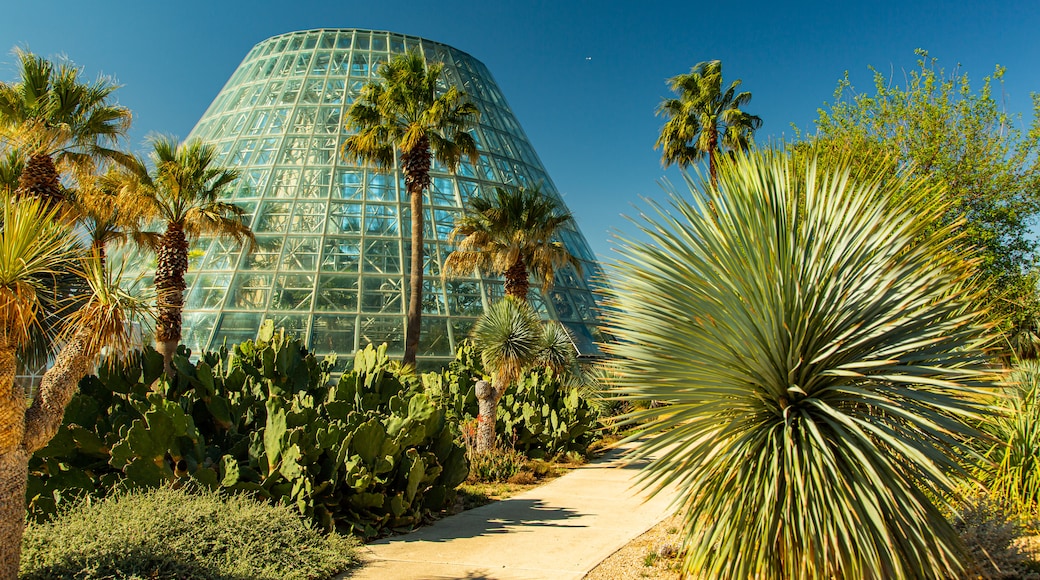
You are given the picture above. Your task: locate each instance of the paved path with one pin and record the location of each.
(559, 530)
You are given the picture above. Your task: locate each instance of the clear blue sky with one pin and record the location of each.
(591, 121)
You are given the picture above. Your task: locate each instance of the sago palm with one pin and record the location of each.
(512, 233)
(821, 370)
(182, 193)
(61, 124)
(405, 111)
(704, 119)
(35, 245)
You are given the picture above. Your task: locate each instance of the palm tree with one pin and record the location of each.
(825, 365)
(511, 339)
(182, 192)
(704, 120)
(512, 234)
(36, 245)
(405, 112)
(60, 123)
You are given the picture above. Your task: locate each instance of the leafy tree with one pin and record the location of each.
(512, 233)
(36, 244)
(938, 128)
(406, 112)
(510, 339)
(823, 363)
(52, 123)
(182, 192)
(704, 119)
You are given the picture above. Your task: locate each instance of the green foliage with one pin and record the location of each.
(174, 534)
(499, 464)
(367, 453)
(940, 128)
(820, 363)
(1011, 472)
(993, 538)
(541, 414)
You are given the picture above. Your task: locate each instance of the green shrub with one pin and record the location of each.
(994, 539)
(166, 533)
(499, 464)
(368, 453)
(542, 414)
(1012, 469)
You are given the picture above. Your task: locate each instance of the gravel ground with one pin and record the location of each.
(651, 555)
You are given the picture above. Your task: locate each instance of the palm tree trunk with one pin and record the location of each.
(36, 428)
(416, 166)
(487, 403)
(40, 179)
(713, 143)
(518, 281)
(169, 292)
(14, 476)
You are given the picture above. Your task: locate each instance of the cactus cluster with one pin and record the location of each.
(369, 452)
(541, 415)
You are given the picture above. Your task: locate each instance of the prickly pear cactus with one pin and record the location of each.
(369, 452)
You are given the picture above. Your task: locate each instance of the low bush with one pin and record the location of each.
(500, 464)
(994, 538)
(168, 534)
(1012, 468)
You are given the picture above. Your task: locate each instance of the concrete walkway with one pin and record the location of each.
(560, 530)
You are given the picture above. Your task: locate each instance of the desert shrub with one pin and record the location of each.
(370, 452)
(499, 464)
(994, 539)
(173, 534)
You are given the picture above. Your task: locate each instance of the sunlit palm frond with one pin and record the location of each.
(821, 367)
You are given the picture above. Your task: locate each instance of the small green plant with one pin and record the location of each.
(498, 464)
(1012, 468)
(993, 538)
(176, 534)
(650, 559)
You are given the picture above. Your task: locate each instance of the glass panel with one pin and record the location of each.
(378, 41)
(265, 151)
(383, 257)
(333, 334)
(344, 218)
(460, 328)
(292, 90)
(444, 222)
(337, 293)
(381, 220)
(315, 183)
(294, 151)
(376, 330)
(464, 298)
(208, 291)
(300, 254)
(341, 255)
(347, 185)
(344, 39)
(312, 92)
(328, 121)
(321, 63)
(236, 327)
(197, 327)
(273, 217)
(381, 295)
(264, 256)
(585, 305)
(244, 150)
(431, 260)
(276, 126)
(285, 182)
(303, 61)
(250, 291)
(293, 292)
(442, 192)
(304, 120)
(328, 40)
(359, 65)
(433, 297)
(308, 218)
(564, 309)
(322, 151)
(222, 255)
(433, 340)
(361, 41)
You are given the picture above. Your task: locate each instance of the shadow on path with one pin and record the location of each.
(506, 516)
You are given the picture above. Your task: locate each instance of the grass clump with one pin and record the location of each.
(167, 533)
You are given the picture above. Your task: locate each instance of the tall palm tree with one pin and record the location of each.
(182, 192)
(405, 111)
(511, 338)
(704, 119)
(825, 364)
(36, 245)
(512, 233)
(60, 123)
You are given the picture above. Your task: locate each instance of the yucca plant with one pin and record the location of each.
(819, 368)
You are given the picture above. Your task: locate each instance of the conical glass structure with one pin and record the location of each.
(332, 236)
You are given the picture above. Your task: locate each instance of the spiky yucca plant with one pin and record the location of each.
(1012, 474)
(820, 368)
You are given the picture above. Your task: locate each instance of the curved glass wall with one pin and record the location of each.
(332, 237)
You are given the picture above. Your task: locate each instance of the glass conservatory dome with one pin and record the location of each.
(332, 236)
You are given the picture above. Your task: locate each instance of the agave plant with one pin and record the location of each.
(819, 368)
